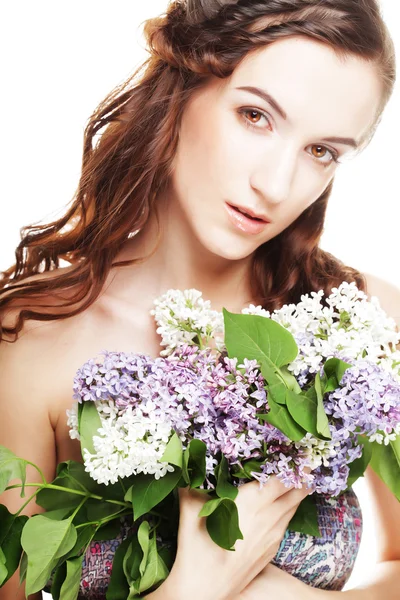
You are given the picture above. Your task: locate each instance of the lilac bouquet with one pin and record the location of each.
(309, 393)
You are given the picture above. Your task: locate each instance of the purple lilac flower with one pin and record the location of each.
(367, 402)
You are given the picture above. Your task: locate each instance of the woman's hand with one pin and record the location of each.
(204, 571)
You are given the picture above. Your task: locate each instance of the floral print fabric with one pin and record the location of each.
(325, 562)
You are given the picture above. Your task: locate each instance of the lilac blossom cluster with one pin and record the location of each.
(195, 390)
(367, 402)
(142, 401)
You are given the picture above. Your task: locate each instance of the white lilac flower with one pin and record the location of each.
(185, 317)
(132, 443)
(256, 310)
(72, 421)
(318, 452)
(351, 325)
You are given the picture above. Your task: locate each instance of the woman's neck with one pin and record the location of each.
(174, 258)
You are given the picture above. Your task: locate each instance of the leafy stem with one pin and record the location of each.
(25, 503)
(78, 508)
(51, 486)
(101, 522)
(38, 469)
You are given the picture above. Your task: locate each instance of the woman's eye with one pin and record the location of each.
(252, 118)
(323, 155)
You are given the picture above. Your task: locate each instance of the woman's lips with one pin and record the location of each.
(245, 223)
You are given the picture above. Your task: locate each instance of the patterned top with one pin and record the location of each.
(325, 562)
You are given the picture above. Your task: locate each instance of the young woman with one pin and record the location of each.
(213, 170)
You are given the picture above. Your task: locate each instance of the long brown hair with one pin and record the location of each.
(129, 164)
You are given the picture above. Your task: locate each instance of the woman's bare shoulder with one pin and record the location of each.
(48, 353)
(387, 293)
(43, 360)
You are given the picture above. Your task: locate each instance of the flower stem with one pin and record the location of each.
(101, 522)
(38, 469)
(51, 486)
(25, 504)
(78, 508)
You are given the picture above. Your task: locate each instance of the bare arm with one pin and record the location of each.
(25, 428)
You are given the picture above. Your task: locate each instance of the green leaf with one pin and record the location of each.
(358, 466)
(173, 451)
(273, 346)
(57, 581)
(76, 472)
(385, 461)
(57, 500)
(260, 338)
(290, 380)
(185, 466)
(59, 536)
(330, 385)
(23, 567)
(134, 593)
(303, 409)
(70, 587)
(224, 487)
(118, 588)
(58, 514)
(305, 519)
(3, 568)
(96, 510)
(108, 531)
(344, 319)
(11, 467)
(194, 463)
(69, 476)
(144, 541)
(10, 539)
(222, 522)
(336, 367)
(209, 507)
(84, 536)
(147, 492)
(276, 392)
(322, 418)
(156, 570)
(72, 475)
(168, 556)
(250, 465)
(240, 474)
(280, 417)
(131, 564)
(89, 424)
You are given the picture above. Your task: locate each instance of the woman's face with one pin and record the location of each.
(271, 152)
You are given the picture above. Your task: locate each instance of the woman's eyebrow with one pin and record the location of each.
(271, 100)
(265, 96)
(343, 140)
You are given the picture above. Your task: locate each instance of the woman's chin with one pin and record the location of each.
(229, 249)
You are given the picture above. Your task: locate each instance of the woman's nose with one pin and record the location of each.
(274, 175)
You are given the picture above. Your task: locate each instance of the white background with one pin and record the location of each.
(62, 58)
